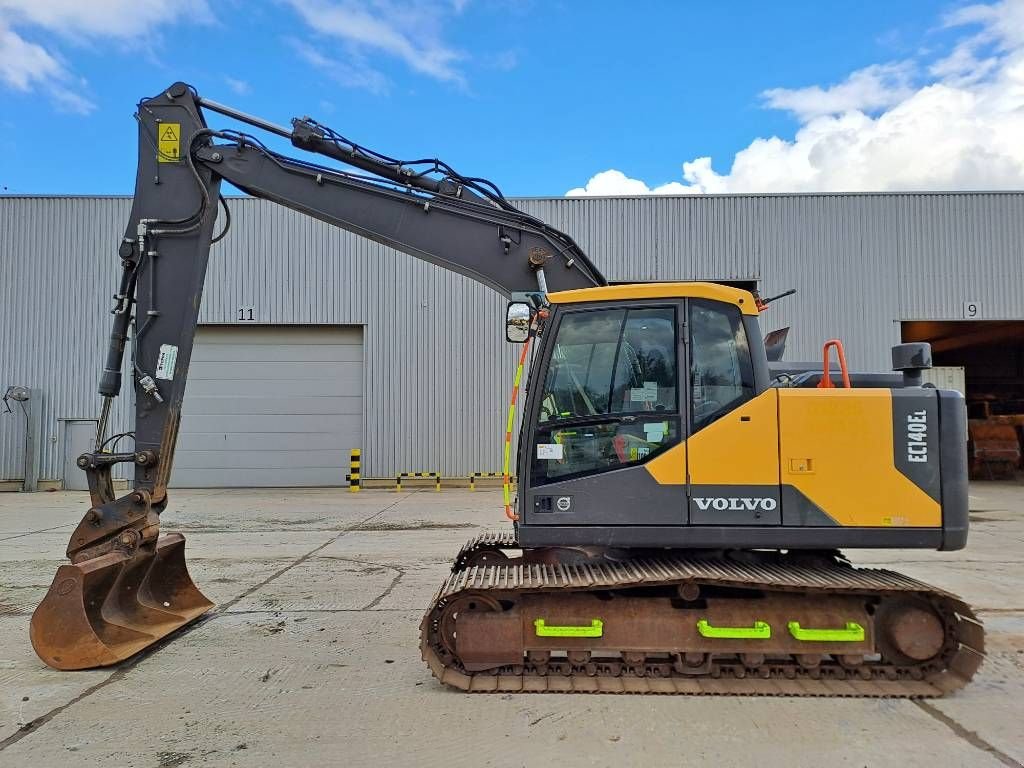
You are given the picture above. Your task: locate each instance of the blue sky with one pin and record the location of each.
(541, 97)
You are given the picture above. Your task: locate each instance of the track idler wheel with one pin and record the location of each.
(462, 604)
(910, 631)
(104, 610)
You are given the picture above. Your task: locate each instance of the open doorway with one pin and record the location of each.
(991, 354)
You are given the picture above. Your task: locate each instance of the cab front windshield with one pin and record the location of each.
(609, 398)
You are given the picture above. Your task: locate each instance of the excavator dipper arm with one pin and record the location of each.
(127, 585)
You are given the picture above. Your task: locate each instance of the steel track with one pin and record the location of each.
(959, 659)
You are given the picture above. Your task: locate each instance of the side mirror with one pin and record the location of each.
(517, 321)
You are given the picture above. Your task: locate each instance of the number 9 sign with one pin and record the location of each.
(972, 310)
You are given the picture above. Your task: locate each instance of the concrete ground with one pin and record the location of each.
(311, 657)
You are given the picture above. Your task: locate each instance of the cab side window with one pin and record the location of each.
(721, 372)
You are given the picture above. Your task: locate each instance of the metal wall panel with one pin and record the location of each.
(58, 271)
(957, 248)
(437, 369)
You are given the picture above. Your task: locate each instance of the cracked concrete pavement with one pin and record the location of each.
(311, 656)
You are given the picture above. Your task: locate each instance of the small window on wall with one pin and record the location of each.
(721, 372)
(610, 397)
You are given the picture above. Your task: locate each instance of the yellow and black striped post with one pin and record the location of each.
(354, 462)
(435, 475)
(475, 475)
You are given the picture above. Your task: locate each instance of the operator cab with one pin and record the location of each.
(612, 406)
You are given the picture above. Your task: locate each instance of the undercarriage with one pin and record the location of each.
(693, 622)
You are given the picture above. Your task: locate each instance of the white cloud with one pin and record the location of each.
(28, 66)
(869, 89)
(409, 31)
(68, 100)
(962, 66)
(241, 87)
(1001, 23)
(358, 74)
(1001, 29)
(614, 182)
(959, 127)
(24, 64)
(97, 19)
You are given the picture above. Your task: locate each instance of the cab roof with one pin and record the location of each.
(631, 291)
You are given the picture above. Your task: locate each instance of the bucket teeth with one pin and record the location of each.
(102, 611)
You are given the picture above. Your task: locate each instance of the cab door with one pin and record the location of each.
(609, 406)
(732, 446)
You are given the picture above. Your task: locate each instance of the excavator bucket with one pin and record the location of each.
(104, 610)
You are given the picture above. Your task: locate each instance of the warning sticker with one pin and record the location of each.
(648, 393)
(168, 142)
(550, 451)
(655, 431)
(165, 362)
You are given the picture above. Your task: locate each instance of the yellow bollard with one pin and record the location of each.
(353, 472)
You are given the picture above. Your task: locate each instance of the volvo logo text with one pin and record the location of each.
(736, 503)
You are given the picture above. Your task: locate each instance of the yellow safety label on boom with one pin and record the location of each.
(168, 142)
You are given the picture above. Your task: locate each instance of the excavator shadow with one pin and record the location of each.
(102, 611)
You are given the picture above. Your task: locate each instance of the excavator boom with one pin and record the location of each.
(127, 585)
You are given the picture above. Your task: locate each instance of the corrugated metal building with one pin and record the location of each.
(423, 350)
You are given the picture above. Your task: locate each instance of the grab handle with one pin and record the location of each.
(826, 376)
(760, 631)
(854, 633)
(596, 629)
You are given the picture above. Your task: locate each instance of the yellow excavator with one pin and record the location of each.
(681, 500)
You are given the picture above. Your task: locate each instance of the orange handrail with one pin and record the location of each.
(826, 376)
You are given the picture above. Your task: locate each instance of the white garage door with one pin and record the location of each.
(270, 406)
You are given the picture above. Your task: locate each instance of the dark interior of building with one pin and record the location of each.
(991, 353)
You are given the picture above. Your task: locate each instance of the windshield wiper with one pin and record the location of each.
(611, 418)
